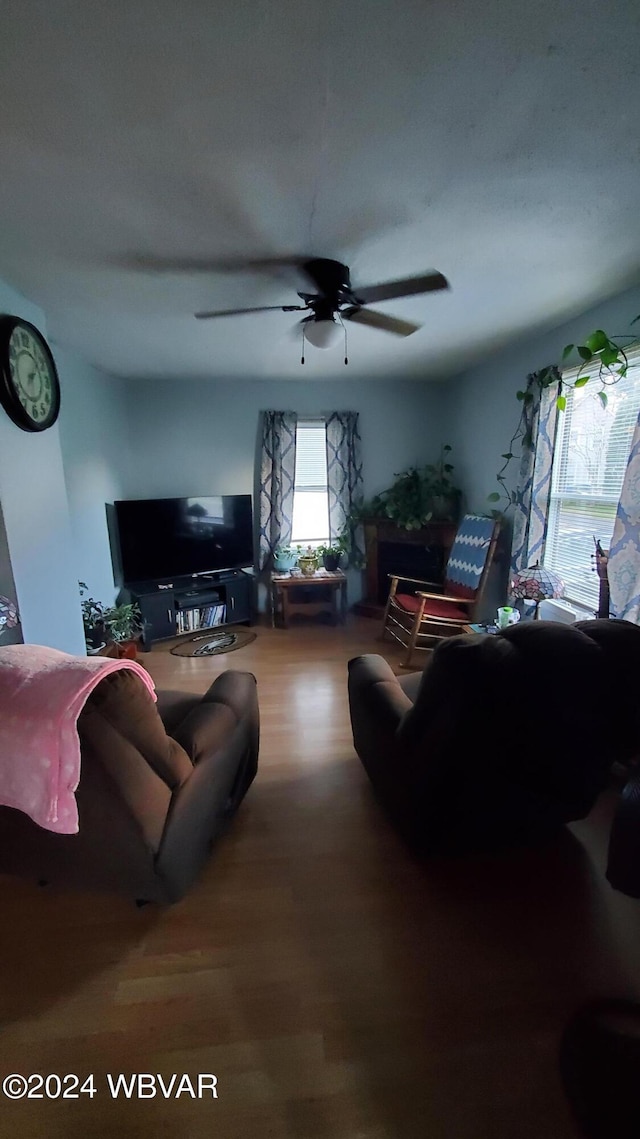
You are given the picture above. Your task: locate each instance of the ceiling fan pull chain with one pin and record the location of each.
(344, 329)
(302, 357)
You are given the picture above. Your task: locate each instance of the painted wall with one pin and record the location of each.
(36, 515)
(96, 450)
(192, 437)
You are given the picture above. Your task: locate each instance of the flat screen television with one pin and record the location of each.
(161, 538)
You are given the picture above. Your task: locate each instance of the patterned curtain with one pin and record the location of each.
(344, 476)
(534, 483)
(277, 475)
(623, 569)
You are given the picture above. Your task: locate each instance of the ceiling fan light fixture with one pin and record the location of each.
(322, 333)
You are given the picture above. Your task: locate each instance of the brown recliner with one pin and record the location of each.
(158, 783)
(600, 1047)
(502, 738)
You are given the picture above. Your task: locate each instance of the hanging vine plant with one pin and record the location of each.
(602, 356)
(603, 359)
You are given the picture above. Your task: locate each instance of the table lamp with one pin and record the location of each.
(536, 583)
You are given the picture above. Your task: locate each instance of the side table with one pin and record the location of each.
(304, 595)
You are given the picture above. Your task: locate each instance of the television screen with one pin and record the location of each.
(176, 537)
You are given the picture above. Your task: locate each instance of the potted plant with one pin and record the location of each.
(331, 553)
(93, 621)
(419, 495)
(308, 562)
(442, 496)
(286, 557)
(123, 624)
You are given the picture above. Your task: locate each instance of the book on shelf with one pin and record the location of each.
(207, 617)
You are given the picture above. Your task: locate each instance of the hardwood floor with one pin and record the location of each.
(334, 986)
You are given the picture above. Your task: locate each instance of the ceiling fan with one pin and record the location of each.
(334, 296)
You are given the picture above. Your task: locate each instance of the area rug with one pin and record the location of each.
(209, 644)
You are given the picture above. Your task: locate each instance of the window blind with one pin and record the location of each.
(590, 458)
(311, 457)
(310, 497)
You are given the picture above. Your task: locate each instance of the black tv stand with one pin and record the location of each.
(170, 608)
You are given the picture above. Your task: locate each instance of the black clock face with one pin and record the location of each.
(29, 388)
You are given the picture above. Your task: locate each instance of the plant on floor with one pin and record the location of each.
(92, 618)
(603, 360)
(123, 622)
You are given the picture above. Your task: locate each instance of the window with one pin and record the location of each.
(590, 458)
(310, 496)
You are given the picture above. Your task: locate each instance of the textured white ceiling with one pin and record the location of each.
(497, 142)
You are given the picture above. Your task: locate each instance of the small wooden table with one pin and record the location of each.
(303, 595)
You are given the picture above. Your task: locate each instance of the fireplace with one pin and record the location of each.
(390, 549)
(424, 562)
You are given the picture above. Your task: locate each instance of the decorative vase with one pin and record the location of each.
(283, 562)
(308, 564)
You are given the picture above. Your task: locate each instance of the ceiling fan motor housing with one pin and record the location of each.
(331, 278)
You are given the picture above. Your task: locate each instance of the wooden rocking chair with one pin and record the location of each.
(442, 610)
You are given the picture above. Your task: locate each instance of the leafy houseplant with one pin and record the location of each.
(602, 355)
(442, 495)
(123, 622)
(418, 495)
(92, 619)
(117, 623)
(332, 553)
(603, 358)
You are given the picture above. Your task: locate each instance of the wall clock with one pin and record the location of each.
(29, 384)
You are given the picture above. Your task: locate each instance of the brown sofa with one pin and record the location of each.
(158, 783)
(503, 737)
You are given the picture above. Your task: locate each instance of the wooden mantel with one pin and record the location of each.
(439, 536)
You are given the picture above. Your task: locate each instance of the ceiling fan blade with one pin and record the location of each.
(241, 311)
(380, 320)
(427, 283)
(153, 264)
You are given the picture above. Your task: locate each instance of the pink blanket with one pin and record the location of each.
(42, 692)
